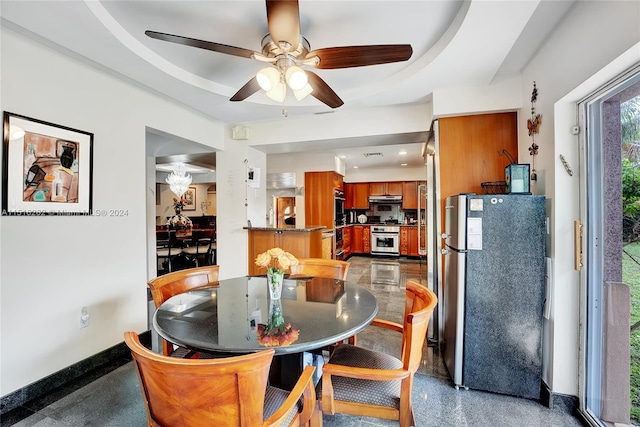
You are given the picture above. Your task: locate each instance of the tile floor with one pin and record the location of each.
(113, 398)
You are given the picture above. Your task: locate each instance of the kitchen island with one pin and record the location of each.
(301, 242)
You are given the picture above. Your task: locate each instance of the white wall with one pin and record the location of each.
(592, 35)
(50, 267)
(237, 203)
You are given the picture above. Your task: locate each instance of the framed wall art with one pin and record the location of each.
(190, 197)
(47, 168)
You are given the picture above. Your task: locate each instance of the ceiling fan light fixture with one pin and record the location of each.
(268, 78)
(302, 93)
(278, 92)
(296, 78)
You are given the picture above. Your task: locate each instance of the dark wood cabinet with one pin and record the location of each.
(410, 195)
(357, 244)
(404, 240)
(413, 242)
(356, 195)
(366, 239)
(409, 241)
(319, 198)
(385, 188)
(360, 239)
(361, 195)
(348, 195)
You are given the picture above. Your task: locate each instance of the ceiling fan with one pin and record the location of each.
(286, 50)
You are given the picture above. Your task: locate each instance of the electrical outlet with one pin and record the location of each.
(84, 318)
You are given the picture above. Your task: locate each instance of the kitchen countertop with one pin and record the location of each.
(287, 229)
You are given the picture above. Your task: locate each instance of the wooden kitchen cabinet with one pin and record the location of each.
(404, 240)
(385, 188)
(348, 195)
(360, 239)
(360, 195)
(409, 241)
(346, 241)
(301, 243)
(357, 244)
(412, 248)
(410, 195)
(319, 197)
(366, 239)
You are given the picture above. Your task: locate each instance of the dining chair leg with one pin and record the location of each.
(316, 417)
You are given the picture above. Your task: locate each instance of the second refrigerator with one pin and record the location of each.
(494, 288)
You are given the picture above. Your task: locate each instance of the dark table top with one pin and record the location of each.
(225, 318)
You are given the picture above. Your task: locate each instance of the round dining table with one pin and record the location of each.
(225, 318)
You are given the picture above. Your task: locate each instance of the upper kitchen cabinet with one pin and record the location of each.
(410, 195)
(356, 195)
(319, 198)
(385, 188)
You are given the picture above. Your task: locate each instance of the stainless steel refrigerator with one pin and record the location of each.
(494, 289)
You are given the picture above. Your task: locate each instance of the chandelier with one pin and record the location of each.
(179, 180)
(274, 80)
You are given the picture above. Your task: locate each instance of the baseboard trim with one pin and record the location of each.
(562, 402)
(92, 367)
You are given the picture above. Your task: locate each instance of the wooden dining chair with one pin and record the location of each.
(201, 247)
(165, 286)
(167, 249)
(320, 267)
(370, 383)
(230, 391)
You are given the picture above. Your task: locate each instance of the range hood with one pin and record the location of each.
(282, 180)
(385, 199)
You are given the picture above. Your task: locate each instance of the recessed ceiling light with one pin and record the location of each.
(342, 156)
(403, 164)
(355, 167)
(402, 152)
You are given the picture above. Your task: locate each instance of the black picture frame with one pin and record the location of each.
(47, 169)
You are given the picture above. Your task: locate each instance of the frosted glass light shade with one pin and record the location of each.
(302, 93)
(296, 78)
(278, 92)
(267, 78)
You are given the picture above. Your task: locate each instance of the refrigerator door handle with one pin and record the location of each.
(460, 251)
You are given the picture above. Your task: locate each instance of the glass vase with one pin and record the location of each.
(274, 281)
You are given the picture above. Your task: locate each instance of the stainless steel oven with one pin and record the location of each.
(385, 240)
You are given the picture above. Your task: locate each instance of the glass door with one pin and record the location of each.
(604, 295)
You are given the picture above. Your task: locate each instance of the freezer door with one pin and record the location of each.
(453, 314)
(455, 222)
(454, 285)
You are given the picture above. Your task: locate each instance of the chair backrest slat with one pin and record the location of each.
(320, 267)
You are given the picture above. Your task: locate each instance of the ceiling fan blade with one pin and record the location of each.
(247, 90)
(360, 56)
(216, 47)
(283, 18)
(322, 92)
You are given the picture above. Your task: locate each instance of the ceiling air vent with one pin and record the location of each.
(372, 154)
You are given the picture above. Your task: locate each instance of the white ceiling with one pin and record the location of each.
(455, 44)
